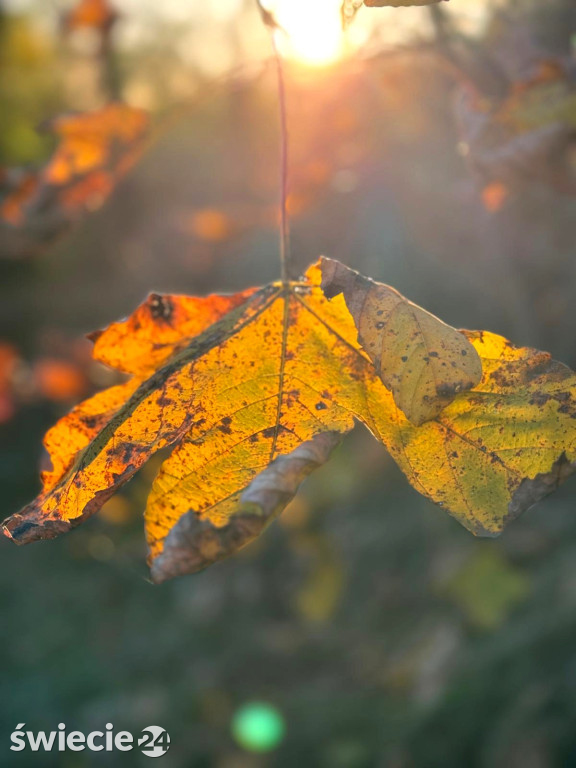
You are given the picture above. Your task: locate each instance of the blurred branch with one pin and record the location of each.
(467, 56)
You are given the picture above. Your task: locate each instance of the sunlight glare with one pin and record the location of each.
(313, 27)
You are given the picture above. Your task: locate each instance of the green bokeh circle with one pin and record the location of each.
(258, 726)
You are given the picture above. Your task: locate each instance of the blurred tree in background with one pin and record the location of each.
(379, 630)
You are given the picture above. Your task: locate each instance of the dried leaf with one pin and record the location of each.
(252, 391)
(423, 361)
(192, 544)
(398, 3)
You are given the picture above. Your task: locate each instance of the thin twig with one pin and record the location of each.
(284, 221)
(273, 28)
(468, 57)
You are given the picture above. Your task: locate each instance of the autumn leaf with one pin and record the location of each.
(95, 150)
(103, 141)
(424, 362)
(349, 8)
(251, 392)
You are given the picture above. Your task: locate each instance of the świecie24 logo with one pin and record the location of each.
(153, 741)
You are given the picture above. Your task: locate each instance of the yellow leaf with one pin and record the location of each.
(252, 392)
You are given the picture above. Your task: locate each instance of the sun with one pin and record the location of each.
(313, 27)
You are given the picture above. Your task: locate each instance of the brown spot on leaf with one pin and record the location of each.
(161, 307)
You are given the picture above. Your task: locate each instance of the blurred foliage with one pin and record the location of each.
(487, 588)
(382, 632)
(28, 89)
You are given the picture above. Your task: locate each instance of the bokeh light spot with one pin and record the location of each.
(258, 726)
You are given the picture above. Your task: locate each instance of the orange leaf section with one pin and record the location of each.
(94, 141)
(160, 326)
(155, 331)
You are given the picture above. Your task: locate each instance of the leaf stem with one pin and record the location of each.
(284, 144)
